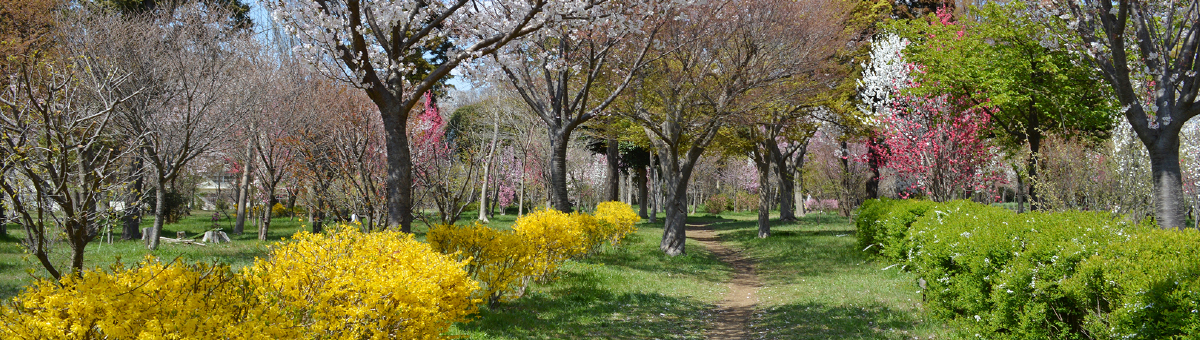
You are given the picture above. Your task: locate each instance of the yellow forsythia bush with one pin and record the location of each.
(619, 220)
(151, 300)
(555, 237)
(500, 260)
(351, 285)
(594, 232)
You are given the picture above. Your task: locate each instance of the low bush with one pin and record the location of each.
(350, 285)
(1066, 275)
(716, 204)
(555, 236)
(1145, 286)
(539, 242)
(883, 225)
(501, 261)
(147, 301)
(618, 220)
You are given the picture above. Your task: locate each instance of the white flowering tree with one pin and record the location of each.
(1148, 52)
(383, 48)
(883, 77)
(568, 74)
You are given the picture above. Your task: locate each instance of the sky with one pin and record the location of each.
(262, 18)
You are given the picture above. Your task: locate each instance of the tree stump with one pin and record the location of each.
(215, 236)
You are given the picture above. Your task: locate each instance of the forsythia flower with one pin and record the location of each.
(500, 260)
(555, 237)
(503, 261)
(349, 285)
(619, 219)
(152, 300)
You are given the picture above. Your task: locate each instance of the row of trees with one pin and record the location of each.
(107, 105)
(102, 107)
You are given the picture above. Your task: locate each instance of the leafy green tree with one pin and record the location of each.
(999, 59)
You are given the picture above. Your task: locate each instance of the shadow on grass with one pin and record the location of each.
(579, 307)
(819, 321)
(639, 253)
(789, 253)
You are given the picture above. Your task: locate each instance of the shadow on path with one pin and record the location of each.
(736, 309)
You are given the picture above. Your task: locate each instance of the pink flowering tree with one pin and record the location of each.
(444, 170)
(935, 146)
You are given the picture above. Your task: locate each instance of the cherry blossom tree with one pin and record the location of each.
(1149, 52)
(381, 47)
(692, 91)
(570, 73)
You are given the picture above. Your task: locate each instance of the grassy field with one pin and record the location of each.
(816, 285)
(632, 292)
(18, 269)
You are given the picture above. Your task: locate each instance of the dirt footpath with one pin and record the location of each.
(736, 309)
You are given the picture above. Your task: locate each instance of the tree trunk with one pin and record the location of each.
(399, 170)
(521, 195)
(132, 229)
(487, 169)
(675, 184)
(558, 171)
(1035, 146)
(674, 231)
(787, 183)
(874, 161)
(316, 210)
(266, 215)
(798, 170)
(847, 189)
(495, 200)
(642, 190)
(655, 190)
(3, 219)
(78, 245)
(762, 163)
(1168, 182)
(614, 171)
(291, 202)
(1020, 193)
(159, 214)
(243, 198)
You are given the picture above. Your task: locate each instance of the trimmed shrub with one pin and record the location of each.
(1145, 286)
(1067, 275)
(867, 219)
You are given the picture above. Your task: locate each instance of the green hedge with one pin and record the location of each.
(883, 225)
(1070, 275)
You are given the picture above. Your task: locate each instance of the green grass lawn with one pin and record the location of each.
(632, 292)
(18, 270)
(818, 286)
